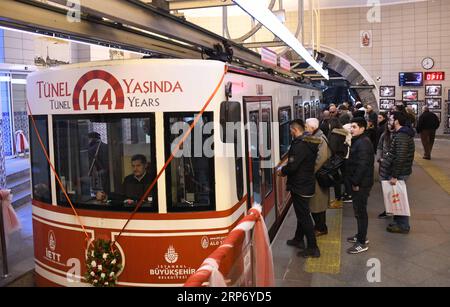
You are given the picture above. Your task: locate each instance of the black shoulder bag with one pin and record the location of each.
(330, 173)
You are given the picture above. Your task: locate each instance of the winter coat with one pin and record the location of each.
(319, 203)
(359, 170)
(428, 121)
(299, 170)
(339, 140)
(325, 126)
(401, 153)
(383, 148)
(381, 129)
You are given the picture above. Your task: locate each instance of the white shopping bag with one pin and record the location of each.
(396, 198)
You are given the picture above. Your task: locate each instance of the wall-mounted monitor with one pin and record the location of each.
(410, 95)
(411, 79)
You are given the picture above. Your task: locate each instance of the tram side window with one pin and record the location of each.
(284, 117)
(190, 177)
(106, 162)
(40, 169)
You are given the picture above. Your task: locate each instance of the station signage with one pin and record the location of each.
(269, 57)
(435, 76)
(285, 64)
(131, 86)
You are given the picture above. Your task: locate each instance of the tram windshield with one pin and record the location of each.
(106, 161)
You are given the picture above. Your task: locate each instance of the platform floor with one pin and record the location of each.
(421, 258)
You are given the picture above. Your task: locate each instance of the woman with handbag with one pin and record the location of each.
(339, 141)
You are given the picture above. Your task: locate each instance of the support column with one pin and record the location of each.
(2, 152)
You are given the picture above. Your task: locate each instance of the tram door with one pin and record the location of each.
(307, 109)
(298, 107)
(259, 150)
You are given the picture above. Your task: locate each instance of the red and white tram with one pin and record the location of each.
(141, 107)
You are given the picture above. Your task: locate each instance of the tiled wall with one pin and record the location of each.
(19, 48)
(406, 34)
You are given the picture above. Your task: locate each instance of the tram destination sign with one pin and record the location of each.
(123, 86)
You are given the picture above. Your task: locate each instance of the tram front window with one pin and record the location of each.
(106, 161)
(190, 176)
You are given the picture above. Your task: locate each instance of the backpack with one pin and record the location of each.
(330, 173)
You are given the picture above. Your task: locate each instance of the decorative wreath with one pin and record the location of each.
(103, 263)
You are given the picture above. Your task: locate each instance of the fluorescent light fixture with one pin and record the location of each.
(261, 13)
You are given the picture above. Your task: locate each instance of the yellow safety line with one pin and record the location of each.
(441, 179)
(330, 247)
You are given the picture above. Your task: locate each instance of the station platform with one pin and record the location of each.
(420, 258)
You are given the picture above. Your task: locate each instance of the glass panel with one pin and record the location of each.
(106, 162)
(40, 169)
(254, 154)
(307, 110)
(5, 100)
(19, 108)
(284, 117)
(190, 175)
(267, 143)
(299, 111)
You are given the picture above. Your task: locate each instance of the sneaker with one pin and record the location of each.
(354, 240)
(336, 204)
(397, 229)
(358, 248)
(382, 215)
(309, 253)
(296, 243)
(347, 199)
(320, 233)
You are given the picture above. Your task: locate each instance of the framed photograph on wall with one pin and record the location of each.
(410, 95)
(414, 106)
(433, 103)
(438, 114)
(433, 90)
(387, 91)
(387, 104)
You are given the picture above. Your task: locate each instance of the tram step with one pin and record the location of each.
(17, 176)
(19, 185)
(21, 198)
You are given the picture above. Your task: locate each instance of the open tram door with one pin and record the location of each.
(298, 108)
(258, 119)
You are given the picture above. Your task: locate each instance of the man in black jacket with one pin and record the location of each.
(360, 174)
(426, 127)
(401, 157)
(301, 183)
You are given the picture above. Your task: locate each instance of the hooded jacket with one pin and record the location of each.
(361, 162)
(299, 170)
(401, 154)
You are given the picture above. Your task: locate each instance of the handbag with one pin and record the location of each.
(330, 173)
(396, 198)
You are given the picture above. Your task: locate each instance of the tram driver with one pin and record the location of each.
(133, 186)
